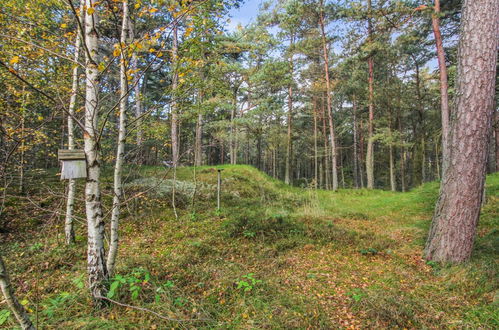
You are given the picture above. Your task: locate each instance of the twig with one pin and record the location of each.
(150, 311)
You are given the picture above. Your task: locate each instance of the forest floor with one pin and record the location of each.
(274, 256)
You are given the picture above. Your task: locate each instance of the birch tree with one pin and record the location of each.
(97, 270)
(8, 292)
(68, 223)
(120, 152)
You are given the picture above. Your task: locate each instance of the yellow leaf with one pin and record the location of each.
(151, 50)
(137, 5)
(153, 10)
(64, 25)
(90, 10)
(116, 52)
(40, 118)
(14, 60)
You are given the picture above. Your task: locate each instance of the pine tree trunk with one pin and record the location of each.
(289, 143)
(316, 156)
(10, 297)
(444, 85)
(120, 153)
(370, 142)
(496, 125)
(97, 270)
(68, 222)
(332, 136)
(457, 211)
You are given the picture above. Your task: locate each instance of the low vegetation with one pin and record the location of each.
(274, 256)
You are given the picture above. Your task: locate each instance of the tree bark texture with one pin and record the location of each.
(97, 270)
(457, 211)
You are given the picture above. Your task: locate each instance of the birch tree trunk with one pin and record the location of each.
(332, 137)
(457, 211)
(370, 128)
(174, 110)
(198, 151)
(68, 222)
(137, 99)
(10, 297)
(97, 270)
(444, 85)
(120, 153)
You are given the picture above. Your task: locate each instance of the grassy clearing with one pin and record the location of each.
(273, 257)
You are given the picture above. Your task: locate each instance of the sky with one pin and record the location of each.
(245, 14)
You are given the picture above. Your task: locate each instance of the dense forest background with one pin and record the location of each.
(256, 95)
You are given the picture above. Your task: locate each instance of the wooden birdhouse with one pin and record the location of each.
(74, 164)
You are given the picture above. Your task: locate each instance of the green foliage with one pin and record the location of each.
(4, 316)
(133, 281)
(52, 305)
(248, 282)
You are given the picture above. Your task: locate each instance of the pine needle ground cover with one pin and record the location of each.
(273, 256)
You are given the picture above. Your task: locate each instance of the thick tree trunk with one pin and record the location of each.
(370, 142)
(457, 211)
(10, 297)
(97, 270)
(332, 136)
(120, 152)
(444, 85)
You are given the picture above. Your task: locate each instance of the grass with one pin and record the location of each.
(274, 256)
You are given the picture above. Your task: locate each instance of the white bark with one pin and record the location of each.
(174, 114)
(120, 153)
(97, 270)
(14, 305)
(68, 223)
(138, 101)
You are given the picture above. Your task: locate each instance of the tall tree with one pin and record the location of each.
(332, 134)
(97, 270)
(68, 223)
(370, 125)
(444, 85)
(120, 152)
(457, 211)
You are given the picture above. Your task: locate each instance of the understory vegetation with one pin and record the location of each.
(274, 256)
